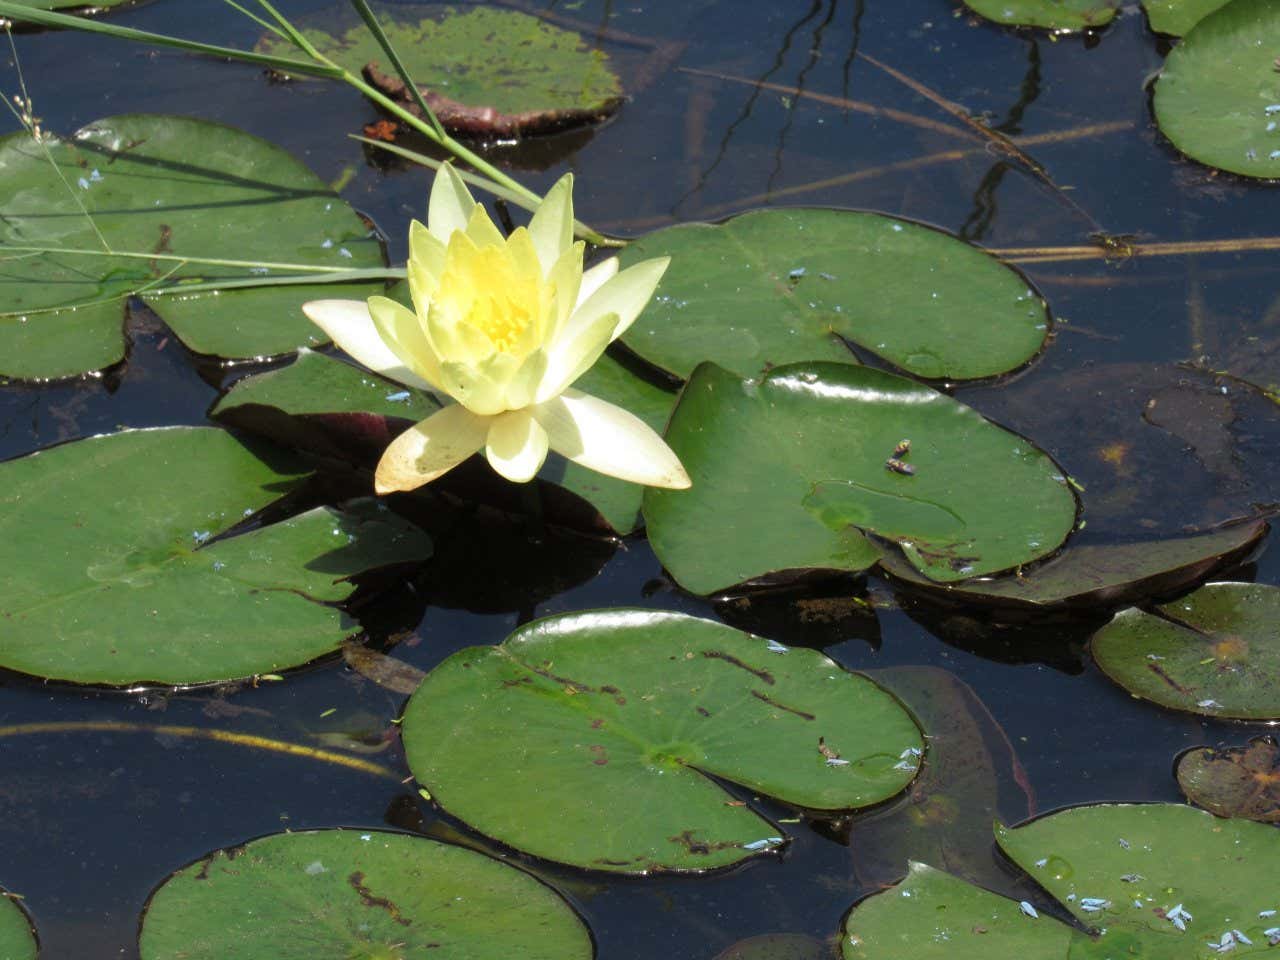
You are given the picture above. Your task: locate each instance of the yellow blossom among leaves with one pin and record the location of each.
(504, 326)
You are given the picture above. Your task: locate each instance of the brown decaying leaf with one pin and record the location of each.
(1234, 781)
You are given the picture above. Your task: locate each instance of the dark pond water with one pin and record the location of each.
(756, 104)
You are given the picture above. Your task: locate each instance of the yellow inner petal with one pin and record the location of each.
(493, 291)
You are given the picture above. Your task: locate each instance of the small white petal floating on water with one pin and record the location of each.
(775, 647)
(1093, 904)
(836, 762)
(401, 396)
(1028, 909)
(764, 844)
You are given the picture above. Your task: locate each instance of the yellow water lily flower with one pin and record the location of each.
(504, 326)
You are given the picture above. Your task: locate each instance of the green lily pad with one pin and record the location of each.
(139, 586)
(88, 6)
(327, 407)
(359, 896)
(590, 739)
(1053, 14)
(1097, 576)
(790, 473)
(779, 286)
(1215, 652)
(170, 186)
(1218, 96)
(1160, 881)
(1235, 781)
(483, 71)
(17, 939)
(1176, 17)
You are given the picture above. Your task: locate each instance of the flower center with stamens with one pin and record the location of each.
(491, 294)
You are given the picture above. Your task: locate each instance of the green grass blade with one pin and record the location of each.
(375, 27)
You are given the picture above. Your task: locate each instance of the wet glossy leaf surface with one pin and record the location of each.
(518, 65)
(1126, 873)
(607, 725)
(170, 186)
(1098, 575)
(1218, 96)
(788, 471)
(1214, 652)
(16, 939)
(1234, 781)
(1054, 14)
(779, 286)
(138, 587)
(1176, 17)
(360, 896)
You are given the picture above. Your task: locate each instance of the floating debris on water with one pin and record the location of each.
(1029, 910)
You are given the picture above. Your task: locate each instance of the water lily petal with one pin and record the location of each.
(426, 257)
(552, 223)
(624, 295)
(481, 387)
(349, 324)
(595, 278)
(482, 230)
(450, 205)
(430, 448)
(565, 281)
(524, 382)
(400, 330)
(517, 445)
(609, 440)
(570, 358)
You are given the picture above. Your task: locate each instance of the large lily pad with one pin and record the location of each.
(17, 941)
(1214, 652)
(1218, 96)
(360, 896)
(778, 286)
(1176, 17)
(1098, 575)
(1235, 781)
(1054, 14)
(324, 406)
(483, 70)
(90, 5)
(591, 738)
(115, 573)
(164, 185)
(790, 473)
(1161, 881)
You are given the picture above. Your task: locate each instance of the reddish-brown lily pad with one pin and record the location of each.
(1235, 781)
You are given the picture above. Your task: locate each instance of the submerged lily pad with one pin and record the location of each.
(1154, 880)
(360, 896)
(17, 940)
(1099, 575)
(779, 286)
(482, 70)
(790, 472)
(1214, 652)
(140, 586)
(1053, 14)
(607, 727)
(1235, 781)
(161, 187)
(1176, 17)
(1218, 96)
(777, 946)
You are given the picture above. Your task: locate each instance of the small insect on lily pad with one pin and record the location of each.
(1152, 880)
(118, 570)
(592, 739)
(796, 471)
(483, 71)
(148, 192)
(17, 938)
(1215, 652)
(1234, 781)
(358, 895)
(780, 286)
(1218, 96)
(1053, 14)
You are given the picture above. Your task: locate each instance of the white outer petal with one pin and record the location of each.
(609, 440)
(516, 446)
(626, 295)
(430, 448)
(552, 225)
(595, 278)
(450, 205)
(349, 325)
